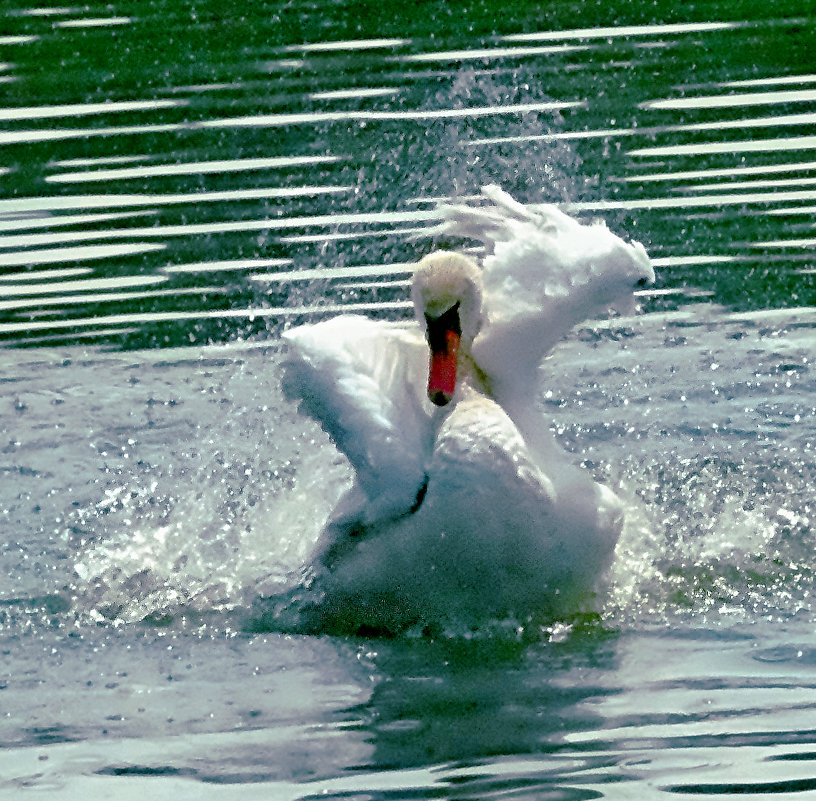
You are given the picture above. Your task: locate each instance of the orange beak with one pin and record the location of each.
(444, 336)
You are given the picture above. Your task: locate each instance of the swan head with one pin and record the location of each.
(447, 296)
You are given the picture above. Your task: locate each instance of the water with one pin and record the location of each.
(179, 181)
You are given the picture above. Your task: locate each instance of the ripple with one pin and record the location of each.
(757, 169)
(358, 93)
(33, 136)
(696, 202)
(69, 202)
(319, 274)
(774, 80)
(605, 133)
(731, 101)
(83, 285)
(221, 266)
(193, 168)
(623, 31)
(94, 22)
(84, 109)
(279, 312)
(106, 297)
(84, 253)
(21, 222)
(472, 54)
(781, 183)
(407, 115)
(46, 12)
(786, 243)
(710, 148)
(352, 45)
(220, 227)
(13, 40)
(39, 275)
(685, 261)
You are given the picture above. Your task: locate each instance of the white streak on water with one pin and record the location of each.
(355, 94)
(84, 109)
(54, 255)
(602, 133)
(95, 162)
(357, 285)
(786, 243)
(777, 80)
(89, 284)
(793, 210)
(489, 52)
(94, 22)
(759, 169)
(40, 275)
(561, 136)
(106, 297)
(336, 236)
(192, 168)
(13, 40)
(49, 221)
(779, 120)
(97, 332)
(677, 261)
(622, 31)
(220, 266)
(280, 120)
(66, 202)
(731, 101)
(365, 271)
(742, 185)
(46, 12)
(696, 202)
(406, 115)
(351, 44)
(33, 136)
(706, 148)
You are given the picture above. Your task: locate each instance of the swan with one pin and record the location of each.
(464, 507)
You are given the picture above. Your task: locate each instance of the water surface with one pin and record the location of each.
(179, 181)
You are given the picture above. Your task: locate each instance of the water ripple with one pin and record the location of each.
(711, 148)
(624, 31)
(84, 109)
(732, 100)
(193, 168)
(84, 253)
(219, 227)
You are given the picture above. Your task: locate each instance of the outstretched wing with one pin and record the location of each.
(544, 272)
(363, 381)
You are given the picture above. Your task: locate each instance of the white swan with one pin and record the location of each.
(464, 506)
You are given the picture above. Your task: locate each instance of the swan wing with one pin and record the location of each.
(544, 272)
(363, 381)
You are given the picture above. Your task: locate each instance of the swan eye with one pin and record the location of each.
(643, 282)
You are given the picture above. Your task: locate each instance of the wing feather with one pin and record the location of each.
(362, 379)
(544, 272)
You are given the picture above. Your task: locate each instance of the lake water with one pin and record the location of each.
(179, 181)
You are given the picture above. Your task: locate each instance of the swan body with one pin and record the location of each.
(463, 504)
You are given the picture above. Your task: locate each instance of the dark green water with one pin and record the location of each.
(167, 167)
